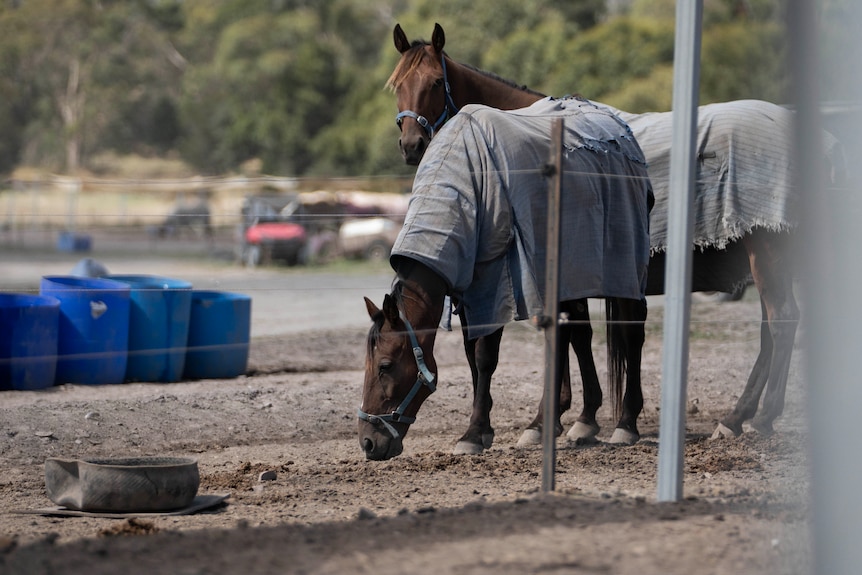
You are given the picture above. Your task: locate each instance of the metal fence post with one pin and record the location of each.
(686, 68)
(550, 322)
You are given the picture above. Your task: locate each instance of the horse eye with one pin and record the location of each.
(438, 82)
(384, 367)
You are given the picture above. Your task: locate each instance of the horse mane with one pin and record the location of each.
(414, 55)
(510, 83)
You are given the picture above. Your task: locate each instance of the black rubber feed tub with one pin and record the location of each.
(122, 485)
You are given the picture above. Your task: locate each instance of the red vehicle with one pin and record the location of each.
(269, 241)
(270, 230)
(310, 227)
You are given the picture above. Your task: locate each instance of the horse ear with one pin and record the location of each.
(401, 41)
(390, 310)
(373, 310)
(438, 38)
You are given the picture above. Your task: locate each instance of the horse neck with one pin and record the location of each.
(424, 293)
(471, 86)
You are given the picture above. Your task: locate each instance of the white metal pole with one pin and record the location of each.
(831, 236)
(686, 81)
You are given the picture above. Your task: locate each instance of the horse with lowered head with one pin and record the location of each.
(475, 230)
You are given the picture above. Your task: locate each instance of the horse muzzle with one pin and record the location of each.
(412, 149)
(378, 443)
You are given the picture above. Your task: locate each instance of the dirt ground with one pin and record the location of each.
(745, 510)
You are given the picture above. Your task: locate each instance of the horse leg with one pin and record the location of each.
(581, 332)
(586, 428)
(625, 348)
(780, 316)
(483, 355)
(746, 405)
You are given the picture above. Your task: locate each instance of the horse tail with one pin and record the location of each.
(617, 353)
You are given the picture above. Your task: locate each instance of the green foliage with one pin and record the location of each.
(298, 84)
(602, 60)
(714, 11)
(260, 96)
(526, 61)
(476, 29)
(746, 61)
(277, 81)
(16, 100)
(653, 93)
(92, 72)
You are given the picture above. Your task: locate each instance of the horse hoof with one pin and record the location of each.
(624, 437)
(530, 437)
(762, 427)
(467, 448)
(487, 440)
(583, 432)
(723, 431)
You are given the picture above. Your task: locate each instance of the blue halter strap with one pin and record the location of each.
(449, 109)
(424, 377)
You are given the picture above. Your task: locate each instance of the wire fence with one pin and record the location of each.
(159, 218)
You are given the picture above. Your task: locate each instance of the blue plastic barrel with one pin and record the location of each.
(158, 326)
(28, 341)
(94, 329)
(219, 330)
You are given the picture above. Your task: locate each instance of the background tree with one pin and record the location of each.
(478, 32)
(93, 73)
(298, 85)
(16, 98)
(275, 81)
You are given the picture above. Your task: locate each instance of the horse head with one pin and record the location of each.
(398, 376)
(422, 90)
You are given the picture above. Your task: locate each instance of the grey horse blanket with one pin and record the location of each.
(744, 173)
(478, 212)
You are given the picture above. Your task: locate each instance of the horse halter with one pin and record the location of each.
(424, 377)
(449, 109)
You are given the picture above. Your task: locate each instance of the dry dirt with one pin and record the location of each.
(745, 510)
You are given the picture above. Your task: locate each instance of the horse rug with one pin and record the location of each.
(478, 211)
(744, 173)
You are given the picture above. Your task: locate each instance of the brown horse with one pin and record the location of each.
(398, 378)
(429, 84)
(425, 79)
(479, 236)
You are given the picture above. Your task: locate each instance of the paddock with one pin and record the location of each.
(328, 510)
